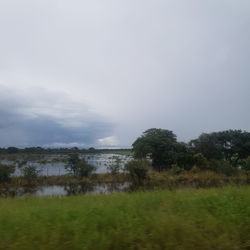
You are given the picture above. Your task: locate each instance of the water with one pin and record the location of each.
(56, 190)
(100, 161)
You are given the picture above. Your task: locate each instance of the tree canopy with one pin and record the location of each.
(158, 144)
(165, 151)
(223, 144)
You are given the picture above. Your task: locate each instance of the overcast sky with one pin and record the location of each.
(100, 72)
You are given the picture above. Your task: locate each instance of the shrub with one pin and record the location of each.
(195, 169)
(138, 170)
(5, 172)
(115, 167)
(245, 164)
(83, 169)
(30, 174)
(79, 167)
(201, 161)
(224, 167)
(175, 169)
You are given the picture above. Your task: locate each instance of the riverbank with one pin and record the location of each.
(183, 219)
(19, 186)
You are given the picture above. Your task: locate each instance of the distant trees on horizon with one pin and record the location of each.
(223, 151)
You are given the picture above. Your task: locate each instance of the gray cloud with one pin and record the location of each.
(25, 122)
(175, 64)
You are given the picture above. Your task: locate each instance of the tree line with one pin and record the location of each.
(225, 151)
(41, 150)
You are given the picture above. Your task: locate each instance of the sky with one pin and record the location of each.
(100, 72)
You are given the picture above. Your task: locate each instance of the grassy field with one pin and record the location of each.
(184, 219)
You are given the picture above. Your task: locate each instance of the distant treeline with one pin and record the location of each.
(223, 151)
(40, 150)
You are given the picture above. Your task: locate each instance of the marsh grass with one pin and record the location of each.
(183, 219)
(155, 180)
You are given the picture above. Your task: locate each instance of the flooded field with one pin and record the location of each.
(57, 190)
(49, 166)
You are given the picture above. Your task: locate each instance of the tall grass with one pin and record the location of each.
(184, 219)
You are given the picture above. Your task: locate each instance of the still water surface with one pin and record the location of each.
(100, 161)
(56, 190)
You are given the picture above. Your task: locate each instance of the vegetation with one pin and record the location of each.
(137, 170)
(115, 167)
(30, 174)
(212, 160)
(225, 152)
(5, 172)
(79, 167)
(159, 144)
(61, 151)
(185, 219)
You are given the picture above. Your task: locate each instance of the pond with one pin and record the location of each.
(50, 168)
(56, 190)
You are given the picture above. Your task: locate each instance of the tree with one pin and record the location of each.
(208, 145)
(79, 167)
(115, 167)
(30, 174)
(12, 150)
(223, 145)
(158, 144)
(5, 172)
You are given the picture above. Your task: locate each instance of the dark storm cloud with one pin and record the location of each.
(20, 127)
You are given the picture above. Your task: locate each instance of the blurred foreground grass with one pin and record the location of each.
(183, 219)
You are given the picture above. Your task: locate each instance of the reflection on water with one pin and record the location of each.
(72, 189)
(100, 161)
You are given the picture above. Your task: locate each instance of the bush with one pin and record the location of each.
(83, 169)
(79, 167)
(138, 170)
(115, 167)
(223, 167)
(201, 161)
(245, 164)
(175, 169)
(30, 174)
(5, 172)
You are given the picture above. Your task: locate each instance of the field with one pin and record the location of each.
(183, 219)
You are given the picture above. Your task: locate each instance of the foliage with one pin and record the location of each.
(79, 167)
(5, 172)
(159, 145)
(30, 174)
(116, 166)
(138, 170)
(223, 144)
(186, 219)
(175, 169)
(200, 161)
(245, 164)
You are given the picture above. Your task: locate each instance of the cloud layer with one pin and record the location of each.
(84, 71)
(40, 118)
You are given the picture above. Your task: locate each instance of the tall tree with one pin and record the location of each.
(159, 145)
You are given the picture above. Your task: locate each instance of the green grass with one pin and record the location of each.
(184, 219)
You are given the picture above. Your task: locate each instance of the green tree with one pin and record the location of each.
(158, 144)
(30, 174)
(5, 172)
(208, 145)
(223, 145)
(79, 167)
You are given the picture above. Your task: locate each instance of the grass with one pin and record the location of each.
(184, 219)
(202, 179)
